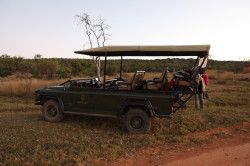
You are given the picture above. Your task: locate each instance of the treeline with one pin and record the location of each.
(46, 68)
(66, 68)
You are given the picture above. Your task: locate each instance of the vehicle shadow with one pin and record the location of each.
(97, 123)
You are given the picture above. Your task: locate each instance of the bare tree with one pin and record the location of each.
(103, 28)
(84, 19)
(98, 31)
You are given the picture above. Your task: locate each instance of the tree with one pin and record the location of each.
(38, 56)
(5, 56)
(96, 30)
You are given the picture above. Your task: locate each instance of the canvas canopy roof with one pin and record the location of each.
(184, 50)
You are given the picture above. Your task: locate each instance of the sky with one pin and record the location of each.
(50, 28)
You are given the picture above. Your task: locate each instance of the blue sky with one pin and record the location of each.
(50, 28)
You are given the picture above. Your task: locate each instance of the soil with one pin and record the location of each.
(232, 149)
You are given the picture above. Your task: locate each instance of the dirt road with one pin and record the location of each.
(233, 150)
(222, 155)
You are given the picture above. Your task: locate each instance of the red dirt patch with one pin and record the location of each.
(222, 151)
(227, 130)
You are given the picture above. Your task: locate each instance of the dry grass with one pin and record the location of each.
(17, 104)
(26, 139)
(24, 87)
(213, 75)
(246, 70)
(225, 75)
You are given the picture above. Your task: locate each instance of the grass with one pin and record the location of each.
(26, 139)
(24, 87)
(16, 104)
(226, 75)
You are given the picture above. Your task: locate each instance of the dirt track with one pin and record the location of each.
(235, 155)
(234, 150)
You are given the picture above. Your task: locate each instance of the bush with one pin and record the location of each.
(8, 65)
(45, 68)
(111, 69)
(64, 72)
(55, 67)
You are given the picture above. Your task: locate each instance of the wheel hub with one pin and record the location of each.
(136, 122)
(52, 111)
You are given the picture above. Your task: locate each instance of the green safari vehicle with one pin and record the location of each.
(135, 100)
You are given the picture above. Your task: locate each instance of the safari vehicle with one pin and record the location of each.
(134, 100)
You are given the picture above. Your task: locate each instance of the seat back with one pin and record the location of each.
(137, 79)
(164, 78)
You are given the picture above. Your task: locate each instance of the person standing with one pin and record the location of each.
(205, 78)
(199, 89)
(201, 86)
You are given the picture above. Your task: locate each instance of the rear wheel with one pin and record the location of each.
(137, 121)
(52, 111)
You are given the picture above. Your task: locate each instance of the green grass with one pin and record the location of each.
(26, 139)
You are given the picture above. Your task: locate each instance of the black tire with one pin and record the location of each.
(137, 121)
(52, 111)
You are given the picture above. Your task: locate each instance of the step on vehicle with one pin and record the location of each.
(135, 100)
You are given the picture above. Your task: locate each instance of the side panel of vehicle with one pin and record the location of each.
(91, 101)
(135, 102)
(113, 102)
(162, 105)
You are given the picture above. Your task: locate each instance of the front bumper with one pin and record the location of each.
(37, 99)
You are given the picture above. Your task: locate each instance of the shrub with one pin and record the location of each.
(111, 69)
(64, 72)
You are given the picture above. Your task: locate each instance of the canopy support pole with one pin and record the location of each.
(104, 71)
(196, 61)
(121, 68)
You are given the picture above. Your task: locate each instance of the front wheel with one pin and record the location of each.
(137, 121)
(52, 111)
